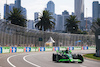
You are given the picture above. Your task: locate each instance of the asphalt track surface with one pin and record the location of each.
(42, 59)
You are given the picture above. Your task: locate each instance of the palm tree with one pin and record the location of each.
(72, 24)
(45, 22)
(16, 17)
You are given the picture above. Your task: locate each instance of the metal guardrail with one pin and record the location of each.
(13, 35)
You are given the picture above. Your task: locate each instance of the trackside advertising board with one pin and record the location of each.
(0, 49)
(34, 49)
(14, 49)
(5, 49)
(20, 49)
(71, 48)
(63, 48)
(42, 49)
(48, 48)
(27, 49)
(77, 48)
(91, 47)
(85, 47)
(56, 48)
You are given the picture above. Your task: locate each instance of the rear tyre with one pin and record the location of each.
(54, 57)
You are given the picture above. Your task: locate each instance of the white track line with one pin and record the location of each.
(8, 59)
(10, 62)
(24, 58)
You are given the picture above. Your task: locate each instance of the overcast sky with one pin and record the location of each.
(39, 5)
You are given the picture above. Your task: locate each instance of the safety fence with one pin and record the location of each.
(14, 36)
(35, 49)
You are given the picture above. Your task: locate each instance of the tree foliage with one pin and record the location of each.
(17, 18)
(72, 24)
(45, 22)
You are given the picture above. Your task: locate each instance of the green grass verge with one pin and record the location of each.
(92, 56)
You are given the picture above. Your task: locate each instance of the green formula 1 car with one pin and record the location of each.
(67, 56)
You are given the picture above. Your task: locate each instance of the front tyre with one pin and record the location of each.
(81, 58)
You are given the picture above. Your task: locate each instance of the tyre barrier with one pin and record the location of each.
(33, 49)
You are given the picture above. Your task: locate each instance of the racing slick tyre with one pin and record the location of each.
(54, 57)
(81, 58)
(57, 58)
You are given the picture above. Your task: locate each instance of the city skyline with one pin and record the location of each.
(39, 6)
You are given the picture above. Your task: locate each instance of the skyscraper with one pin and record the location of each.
(30, 24)
(96, 10)
(11, 6)
(65, 12)
(79, 9)
(24, 12)
(36, 15)
(17, 3)
(51, 7)
(59, 24)
(6, 11)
